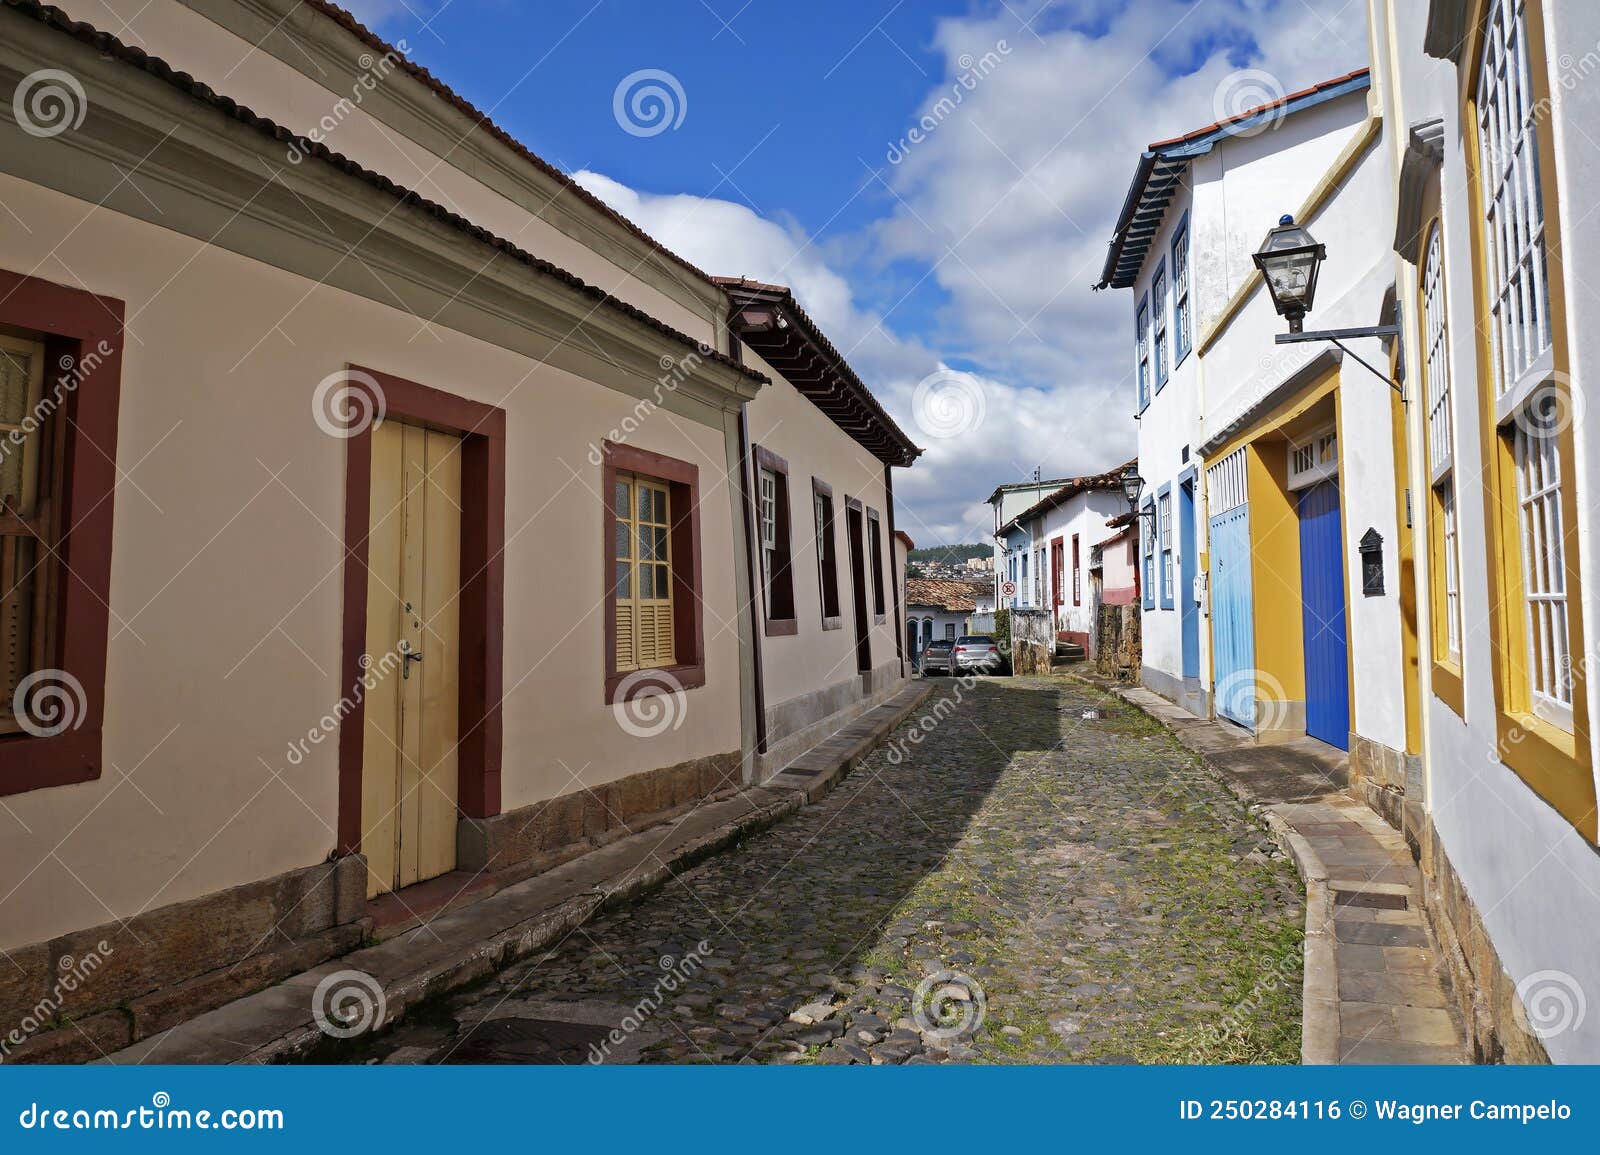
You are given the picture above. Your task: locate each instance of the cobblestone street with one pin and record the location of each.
(1045, 877)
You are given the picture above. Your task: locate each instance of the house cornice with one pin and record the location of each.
(210, 169)
(328, 46)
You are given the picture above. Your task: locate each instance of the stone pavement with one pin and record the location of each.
(1375, 990)
(1027, 871)
(457, 945)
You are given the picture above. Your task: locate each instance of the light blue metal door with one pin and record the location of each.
(1233, 641)
(1322, 615)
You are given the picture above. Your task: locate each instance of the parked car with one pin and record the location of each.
(937, 657)
(980, 653)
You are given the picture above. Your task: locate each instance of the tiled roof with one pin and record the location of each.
(769, 320)
(1111, 479)
(450, 96)
(957, 597)
(1164, 162)
(108, 45)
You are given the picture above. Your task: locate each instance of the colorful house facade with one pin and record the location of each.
(310, 370)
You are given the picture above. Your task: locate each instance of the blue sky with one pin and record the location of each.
(965, 257)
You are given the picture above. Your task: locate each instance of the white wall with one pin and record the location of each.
(1533, 879)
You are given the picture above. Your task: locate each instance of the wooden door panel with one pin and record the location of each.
(438, 675)
(380, 775)
(410, 775)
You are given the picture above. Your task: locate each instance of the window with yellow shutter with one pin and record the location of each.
(653, 610)
(643, 593)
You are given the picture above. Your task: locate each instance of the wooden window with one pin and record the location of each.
(1530, 403)
(1536, 643)
(1182, 319)
(1142, 348)
(1158, 314)
(1077, 574)
(1513, 202)
(1441, 452)
(875, 548)
(1164, 521)
(827, 554)
(1148, 530)
(950, 631)
(26, 570)
(60, 381)
(643, 591)
(653, 613)
(777, 571)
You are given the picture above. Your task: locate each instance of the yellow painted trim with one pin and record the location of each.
(1406, 558)
(1446, 681)
(1286, 412)
(1348, 158)
(1555, 764)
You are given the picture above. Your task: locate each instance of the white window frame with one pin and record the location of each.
(1158, 322)
(1441, 437)
(1522, 352)
(1164, 524)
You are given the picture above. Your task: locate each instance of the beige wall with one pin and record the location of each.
(227, 561)
(786, 422)
(272, 88)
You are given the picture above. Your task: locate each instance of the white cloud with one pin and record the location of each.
(1010, 202)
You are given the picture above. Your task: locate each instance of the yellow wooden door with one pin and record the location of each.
(409, 779)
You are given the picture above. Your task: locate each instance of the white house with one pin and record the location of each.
(1214, 395)
(1054, 537)
(1489, 110)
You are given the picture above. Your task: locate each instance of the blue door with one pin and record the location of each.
(1322, 615)
(1233, 638)
(1187, 610)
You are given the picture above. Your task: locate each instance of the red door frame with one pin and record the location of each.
(1058, 561)
(482, 429)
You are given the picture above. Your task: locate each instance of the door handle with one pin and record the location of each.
(407, 656)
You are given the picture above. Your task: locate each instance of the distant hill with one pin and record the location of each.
(951, 554)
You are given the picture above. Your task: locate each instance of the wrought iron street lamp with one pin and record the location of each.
(1132, 486)
(1289, 260)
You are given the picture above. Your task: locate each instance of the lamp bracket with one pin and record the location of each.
(1340, 336)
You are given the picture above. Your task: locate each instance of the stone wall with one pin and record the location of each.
(1117, 650)
(1497, 1027)
(1033, 642)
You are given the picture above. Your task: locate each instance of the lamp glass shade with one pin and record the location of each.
(1290, 259)
(1132, 485)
